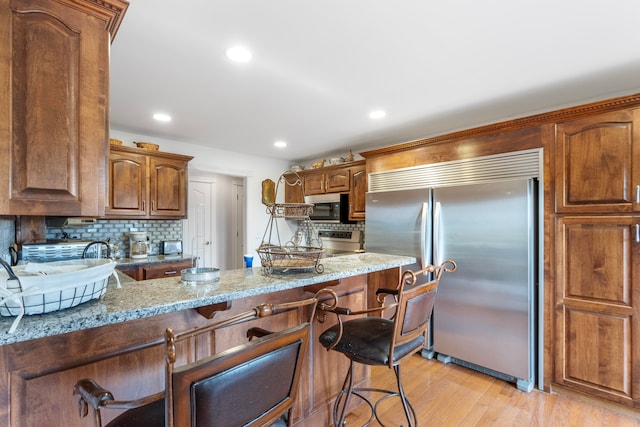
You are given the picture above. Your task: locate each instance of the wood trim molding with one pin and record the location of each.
(112, 11)
(145, 152)
(535, 120)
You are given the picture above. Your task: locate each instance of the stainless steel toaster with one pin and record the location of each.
(171, 247)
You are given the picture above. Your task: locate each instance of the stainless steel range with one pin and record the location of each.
(54, 250)
(341, 242)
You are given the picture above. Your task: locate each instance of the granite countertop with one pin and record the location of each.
(147, 298)
(154, 259)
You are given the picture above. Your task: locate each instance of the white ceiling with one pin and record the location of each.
(320, 66)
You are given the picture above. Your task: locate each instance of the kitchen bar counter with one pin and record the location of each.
(136, 300)
(118, 340)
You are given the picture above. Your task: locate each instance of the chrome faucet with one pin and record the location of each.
(97, 242)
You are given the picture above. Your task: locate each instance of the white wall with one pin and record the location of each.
(212, 161)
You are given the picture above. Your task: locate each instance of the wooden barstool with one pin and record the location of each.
(379, 341)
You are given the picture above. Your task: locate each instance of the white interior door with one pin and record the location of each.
(198, 230)
(238, 223)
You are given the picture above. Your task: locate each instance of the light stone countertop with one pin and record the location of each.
(154, 259)
(147, 298)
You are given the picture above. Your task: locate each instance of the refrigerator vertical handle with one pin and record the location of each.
(436, 233)
(423, 235)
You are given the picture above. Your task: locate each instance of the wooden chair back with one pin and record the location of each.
(413, 314)
(249, 385)
(252, 384)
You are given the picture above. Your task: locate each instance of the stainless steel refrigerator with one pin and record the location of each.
(484, 312)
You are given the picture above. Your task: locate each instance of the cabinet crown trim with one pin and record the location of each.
(534, 120)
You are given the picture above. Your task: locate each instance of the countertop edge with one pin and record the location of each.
(162, 296)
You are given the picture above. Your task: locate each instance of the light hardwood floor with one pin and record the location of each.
(452, 395)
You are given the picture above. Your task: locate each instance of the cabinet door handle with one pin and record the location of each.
(638, 194)
(144, 205)
(170, 272)
(637, 233)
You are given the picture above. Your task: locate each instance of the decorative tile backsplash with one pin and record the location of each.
(7, 236)
(117, 231)
(338, 226)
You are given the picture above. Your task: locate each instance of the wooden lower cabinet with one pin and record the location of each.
(158, 270)
(163, 270)
(128, 359)
(597, 309)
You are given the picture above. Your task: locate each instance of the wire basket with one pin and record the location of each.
(275, 258)
(38, 288)
(304, 250)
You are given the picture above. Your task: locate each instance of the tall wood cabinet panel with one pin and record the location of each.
(54, 70)
(598, 163)
(357, 195)
(146, 184)
(598, 306)
(597, 274)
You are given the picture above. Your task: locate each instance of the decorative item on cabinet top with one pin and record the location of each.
(268, 192)
(147, 146)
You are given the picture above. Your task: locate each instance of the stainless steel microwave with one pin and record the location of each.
(329, 207)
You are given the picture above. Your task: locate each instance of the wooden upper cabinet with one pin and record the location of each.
(357, 195)
(54, 69)
(346, 178)
(145, 184)
(314, 183)
(167, 187)
(327, 180)
(598, 163)
(338, 180)
(127, 184)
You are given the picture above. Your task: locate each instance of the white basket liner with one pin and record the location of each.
(53, 286)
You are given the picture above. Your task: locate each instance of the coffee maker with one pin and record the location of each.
(138, 244)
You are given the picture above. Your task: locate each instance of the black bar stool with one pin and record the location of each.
(379, 341)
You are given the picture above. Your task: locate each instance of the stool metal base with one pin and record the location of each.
(342, 401)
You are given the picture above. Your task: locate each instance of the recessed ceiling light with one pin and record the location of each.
(161, 117)
(280, 144)
(378, 114)
(239, 54)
